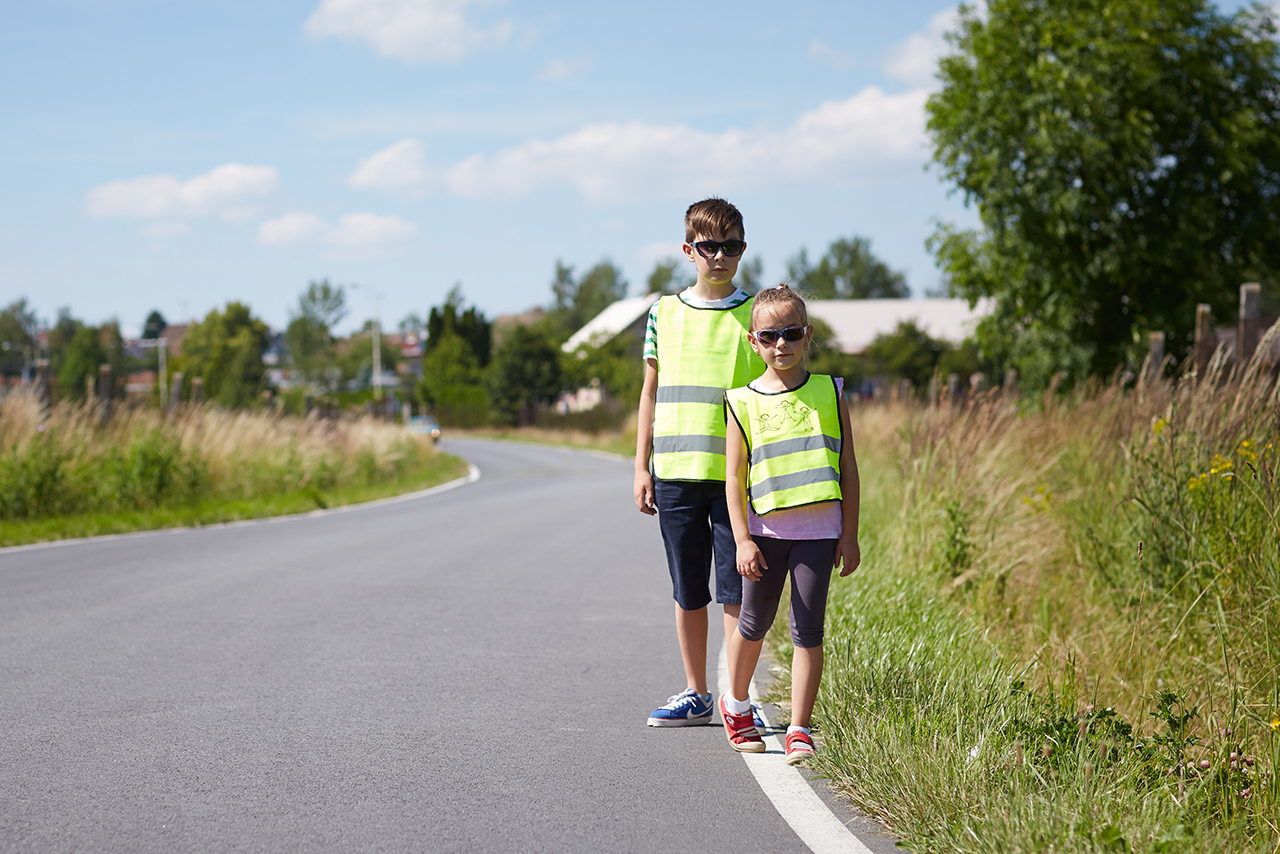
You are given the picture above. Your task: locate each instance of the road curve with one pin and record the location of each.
(469, 671)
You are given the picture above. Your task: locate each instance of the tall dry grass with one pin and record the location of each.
(1066, 632)
(63, 460)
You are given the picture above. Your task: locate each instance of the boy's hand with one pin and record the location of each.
(750, 561)
(643, 491)
(848, 552)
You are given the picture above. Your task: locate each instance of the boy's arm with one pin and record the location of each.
(750, 561)
(643, 487)
(847, 549)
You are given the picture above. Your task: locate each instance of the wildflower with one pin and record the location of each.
(1197, 482)
(1205, 764)
(1159, 425)
(1246, 450)
(1220, 465)
(1275, 722)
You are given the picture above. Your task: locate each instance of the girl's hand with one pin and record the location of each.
(750, 561)
(848, 552)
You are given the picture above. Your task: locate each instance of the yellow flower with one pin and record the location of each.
(1219, 464)
(1247, 451)
(1158, 426)
(1197, 482)
(1275, 722)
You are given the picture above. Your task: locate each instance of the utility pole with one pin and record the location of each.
(377, 338)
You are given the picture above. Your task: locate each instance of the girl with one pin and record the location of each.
(792, 490)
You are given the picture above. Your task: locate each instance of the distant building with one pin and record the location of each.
(858, 322)
(626, 316)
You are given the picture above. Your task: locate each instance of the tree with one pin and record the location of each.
(81, 358)
(470, 325)
(309, 335)
(665, 278)
(848, 270)
(749, 275)
(453, 383)
(577, 302)
(154, 326)
(1125, 161)
(908, 353)
(525, 373)
(17, 336)
(225, 350)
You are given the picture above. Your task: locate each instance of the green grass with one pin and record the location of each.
(1009, 671)
(438, 468)
(622, 443)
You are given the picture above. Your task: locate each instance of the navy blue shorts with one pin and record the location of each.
(694, 518)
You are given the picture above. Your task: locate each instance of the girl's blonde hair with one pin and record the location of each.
(780, 298)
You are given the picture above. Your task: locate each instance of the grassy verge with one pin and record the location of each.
(440, 469)
(68, 472)
(1066, 632)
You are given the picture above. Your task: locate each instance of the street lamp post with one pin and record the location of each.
(377, 338)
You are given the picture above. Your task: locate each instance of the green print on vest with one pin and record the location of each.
(793, 442)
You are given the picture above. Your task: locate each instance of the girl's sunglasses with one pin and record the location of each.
(709, 248)
(771, 336)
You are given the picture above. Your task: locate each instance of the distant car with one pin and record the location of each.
(424, 424)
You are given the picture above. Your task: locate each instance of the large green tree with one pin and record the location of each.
(525, 373)
(847, 270)
(225, 350)
(1125, 161)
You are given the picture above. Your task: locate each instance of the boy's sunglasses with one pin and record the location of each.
(709, 248)
(771, 336)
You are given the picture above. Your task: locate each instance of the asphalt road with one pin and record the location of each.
(468, 671)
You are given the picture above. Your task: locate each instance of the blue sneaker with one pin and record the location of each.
(688, 708)
(757, 714)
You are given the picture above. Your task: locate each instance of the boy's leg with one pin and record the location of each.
(686, 534)
(691, 631)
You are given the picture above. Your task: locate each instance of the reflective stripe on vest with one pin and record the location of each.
(793, 443)
(701, 352)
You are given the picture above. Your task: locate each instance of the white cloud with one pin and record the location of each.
(563, 69)
(356, 235)
(825, 53)
(845, 142)
(290, 229)
(915, 59)
(416, 31)
(167, 230)
(401, 166)
(229, 191)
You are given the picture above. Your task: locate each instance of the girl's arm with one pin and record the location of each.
(847, 549)
(642, 488)
(749, 560)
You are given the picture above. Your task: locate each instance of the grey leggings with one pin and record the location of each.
(808, 562)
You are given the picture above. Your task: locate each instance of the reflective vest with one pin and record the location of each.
(701, 352)
(793, 443)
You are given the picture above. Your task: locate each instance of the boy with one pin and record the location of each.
(695, 347)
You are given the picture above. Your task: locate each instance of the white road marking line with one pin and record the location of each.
(473, 474)
(790, 793)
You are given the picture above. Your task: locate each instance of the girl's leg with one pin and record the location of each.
(810, 565)
(806, 675)
(759, 605)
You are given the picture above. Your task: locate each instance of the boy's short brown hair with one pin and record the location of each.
(710, 217)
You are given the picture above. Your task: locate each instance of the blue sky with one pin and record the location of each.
(177, 156)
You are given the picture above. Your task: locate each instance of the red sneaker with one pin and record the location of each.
(741, 730)
(799, 747)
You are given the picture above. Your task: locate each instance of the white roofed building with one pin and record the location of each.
(858, 322)
(623, 315)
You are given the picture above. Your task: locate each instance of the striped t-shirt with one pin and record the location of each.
(733, 300)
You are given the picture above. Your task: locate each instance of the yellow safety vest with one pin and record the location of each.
(793, 443)
(701, 352)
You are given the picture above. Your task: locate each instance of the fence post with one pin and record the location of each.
(977, 383)
(42, 381)
(1010, 387)
(104, 393)
(175, 393)
(1205, 338)
(953, 389)
(1250, 321)
(1155, 353)
(197, 390)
